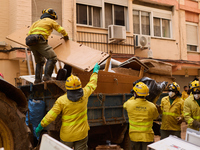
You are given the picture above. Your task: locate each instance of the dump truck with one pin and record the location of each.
(107, 119)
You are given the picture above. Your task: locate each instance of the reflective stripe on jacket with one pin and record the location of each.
(141, 114)
(191, 111)
(45, 27)
(74, 114)
(170, 113)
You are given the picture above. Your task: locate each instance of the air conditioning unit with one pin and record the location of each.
(142, 41)
(116, 33)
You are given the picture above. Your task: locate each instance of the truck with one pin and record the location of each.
(107, 119)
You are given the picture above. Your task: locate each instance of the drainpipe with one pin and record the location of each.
(179, 26)
(73, 19)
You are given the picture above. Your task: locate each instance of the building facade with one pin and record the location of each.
(169, 29)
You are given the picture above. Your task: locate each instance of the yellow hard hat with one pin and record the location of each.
(51, 12)
(174, 87)
(73, 83)
(194, 85)
(141, 89)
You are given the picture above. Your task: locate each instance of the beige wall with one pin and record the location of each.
(10, 70)
(15, 14)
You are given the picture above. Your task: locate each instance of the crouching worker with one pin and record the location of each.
(73, 105)
(141, 114)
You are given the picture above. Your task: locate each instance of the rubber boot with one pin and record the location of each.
(49, 70)
(38, 73)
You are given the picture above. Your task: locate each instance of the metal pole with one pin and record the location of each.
(27, 59)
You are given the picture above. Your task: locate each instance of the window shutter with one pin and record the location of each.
(117, 2)
(162, 15)
(97, 3)
(191, 34)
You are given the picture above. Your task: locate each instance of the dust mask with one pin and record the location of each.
(172, 94)
(196, 96)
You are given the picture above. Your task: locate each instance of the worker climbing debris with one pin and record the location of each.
(37, 40)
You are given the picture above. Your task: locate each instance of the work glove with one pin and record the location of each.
(196, 124)
(38, 129)
(179, 120)
(66, 38)
(158, 108)
(96, 68)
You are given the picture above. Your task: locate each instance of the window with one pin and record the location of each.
(161, 27)
(152, 21)
(88, 15)
(141, 22)
(115, 14)
(192, 36)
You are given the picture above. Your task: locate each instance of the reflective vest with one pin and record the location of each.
(141, 114)
(191, 111)
(74, 114)
(45, 27)
(170, 112)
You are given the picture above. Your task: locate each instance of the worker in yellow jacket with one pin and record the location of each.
(192, 107)
(73, 105)
(185, 93)
(141, 114)
(172, 112)
(37, 41)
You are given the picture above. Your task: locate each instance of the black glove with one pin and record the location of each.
(159, 109)
(196, 124)
(66, 38)
(179, 120)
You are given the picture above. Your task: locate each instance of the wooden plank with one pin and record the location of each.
(134, 63)
(79, 56)
(68, 52)
(110, 83)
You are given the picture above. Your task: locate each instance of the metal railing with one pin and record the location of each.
(99, 41)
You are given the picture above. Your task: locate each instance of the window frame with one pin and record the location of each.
(113, 15)
(102, 15)
(152, 16)
(140, 22)
(92, 14)
(161, 30)
(193, 24)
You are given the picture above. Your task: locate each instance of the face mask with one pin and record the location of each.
(196, 96)
(171, 94)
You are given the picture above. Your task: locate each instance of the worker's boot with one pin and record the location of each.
(38, 72)
(49, 70)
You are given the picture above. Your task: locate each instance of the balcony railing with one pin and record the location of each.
(99, 41)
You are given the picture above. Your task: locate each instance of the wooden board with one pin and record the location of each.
(108, 82)
(79, 56)
(70, 52)
(134, 63)
(161, 68)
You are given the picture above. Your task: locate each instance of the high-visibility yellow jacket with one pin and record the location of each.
(74, 114)
(45, 27)
(191, 111)
(184, 95)
(170, 113)
(141, 114)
